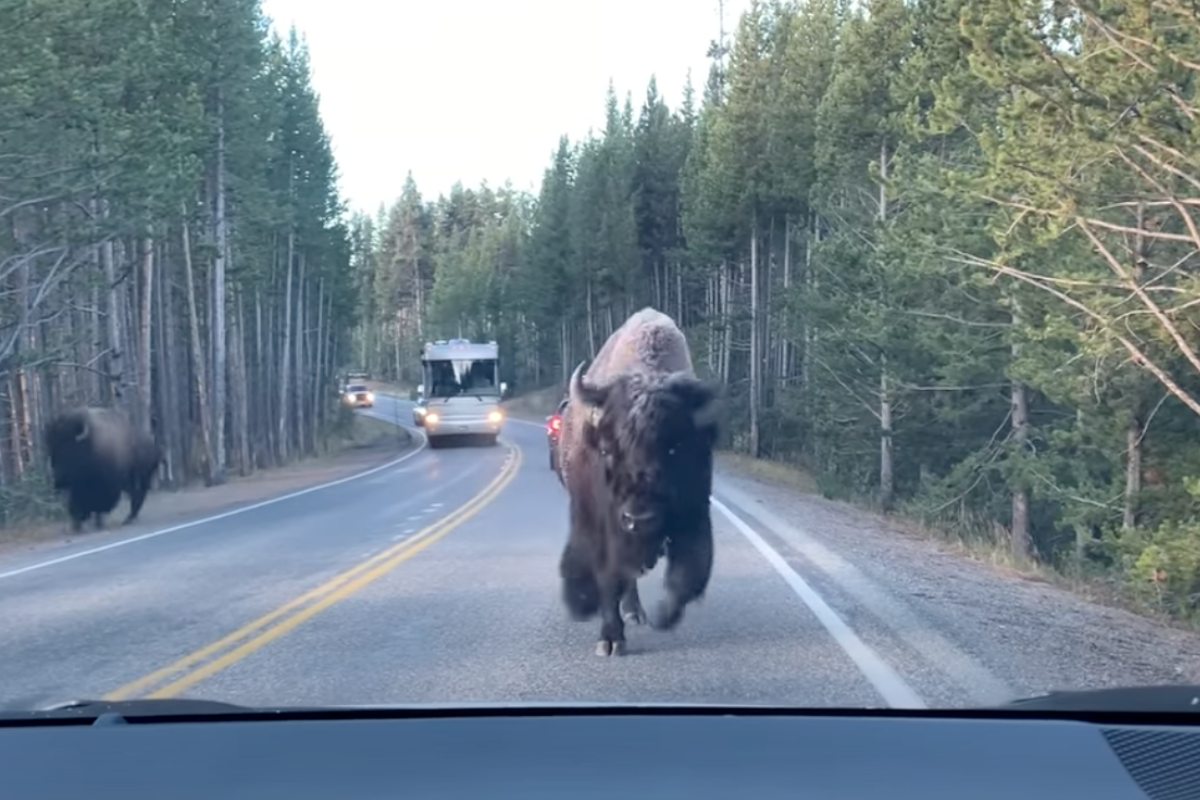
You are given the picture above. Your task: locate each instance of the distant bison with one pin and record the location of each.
(96, 454)
(637, 459)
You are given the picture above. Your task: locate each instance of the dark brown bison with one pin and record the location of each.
(637, 453)
(95, 455)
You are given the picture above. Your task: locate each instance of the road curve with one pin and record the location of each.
(434, 579)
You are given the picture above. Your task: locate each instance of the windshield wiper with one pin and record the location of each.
(1171, 698)
(105, 712)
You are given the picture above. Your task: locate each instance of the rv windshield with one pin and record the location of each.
(462, 377)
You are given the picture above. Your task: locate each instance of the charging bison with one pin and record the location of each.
(95, 455)
(637, 452)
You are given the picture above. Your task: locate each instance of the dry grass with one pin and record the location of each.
(770, 471)
(534, 406)
(977, 540)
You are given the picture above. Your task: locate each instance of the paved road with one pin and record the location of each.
(433, 579)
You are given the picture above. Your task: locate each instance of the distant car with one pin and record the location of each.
(553, 433)
(419, 412)
(357, 395)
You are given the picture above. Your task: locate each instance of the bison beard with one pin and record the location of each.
(638, 436)
(95, 455)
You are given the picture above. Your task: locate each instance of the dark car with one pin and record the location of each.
(553, 432)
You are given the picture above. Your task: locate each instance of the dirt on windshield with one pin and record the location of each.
(374, 442)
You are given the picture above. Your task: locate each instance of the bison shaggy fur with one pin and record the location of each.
(95, 455)
(637, 457)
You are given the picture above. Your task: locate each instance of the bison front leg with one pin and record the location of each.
(689, 565)
(78, 511)
(580, 592)
(612, 627)
(137, 496)
(631, 606)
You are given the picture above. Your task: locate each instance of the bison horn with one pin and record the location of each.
(704, 398)
(83, 431)
(591, 396)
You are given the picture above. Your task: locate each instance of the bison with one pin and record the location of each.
(637, 459)
(95, 455)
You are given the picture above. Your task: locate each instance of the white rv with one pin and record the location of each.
(461, 390)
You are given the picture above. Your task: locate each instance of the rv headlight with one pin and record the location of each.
(431, 418)
(495, 417)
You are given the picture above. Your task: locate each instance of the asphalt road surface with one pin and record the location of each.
(433, 579)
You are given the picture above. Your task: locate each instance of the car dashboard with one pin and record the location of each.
(595, 752)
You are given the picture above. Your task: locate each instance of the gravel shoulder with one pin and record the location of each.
(374, 442)
(1029, 634)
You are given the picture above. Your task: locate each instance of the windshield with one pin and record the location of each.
(883, 317)
(462, 377)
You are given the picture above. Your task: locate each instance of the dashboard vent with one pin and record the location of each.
(1164, 763)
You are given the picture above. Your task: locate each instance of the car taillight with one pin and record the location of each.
(556, 423)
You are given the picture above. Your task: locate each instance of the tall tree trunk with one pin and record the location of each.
(198, 361)
(1021, 541)
(591, 323)
(785, 352)
(168, 379)
(238, 394)
(755, 341)
(887, 456)
(262, 369)
(319, 383)
(1134, 430)
(727, 319)
(887, 459)
(145, 390)
(285, 356)
(301, 371)
(221, 244)
(116, 334)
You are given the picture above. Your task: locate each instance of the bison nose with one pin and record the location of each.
(637, 519)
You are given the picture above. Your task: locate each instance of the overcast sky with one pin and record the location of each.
(477, 90)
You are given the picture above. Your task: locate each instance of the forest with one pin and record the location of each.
(172, 242)
(941, 254)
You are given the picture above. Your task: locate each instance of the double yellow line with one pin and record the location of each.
(201, 664)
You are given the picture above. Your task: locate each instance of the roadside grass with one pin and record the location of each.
(533, 406)
(975, 539)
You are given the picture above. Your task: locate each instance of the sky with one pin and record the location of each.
(475, 90)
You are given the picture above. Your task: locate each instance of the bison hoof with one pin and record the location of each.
(635, 616)
(606, 648)
(666, 616)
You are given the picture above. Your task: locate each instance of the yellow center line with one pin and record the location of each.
(337, 588)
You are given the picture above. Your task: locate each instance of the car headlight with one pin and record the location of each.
(431, 417)
(370, 397)
(495, 417)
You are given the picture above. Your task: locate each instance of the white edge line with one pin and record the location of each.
(204, 520)
(895, 692)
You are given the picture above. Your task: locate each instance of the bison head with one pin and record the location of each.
(655, 436)
(68, 442)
